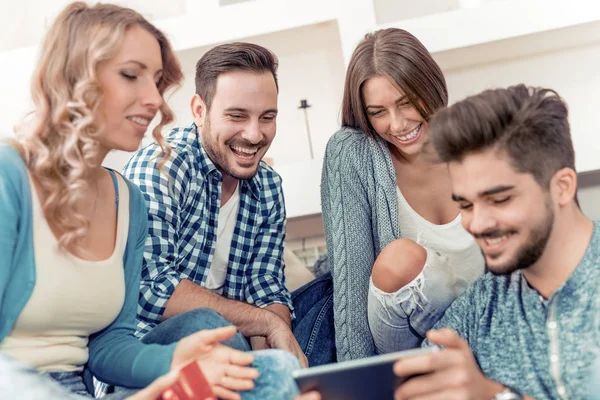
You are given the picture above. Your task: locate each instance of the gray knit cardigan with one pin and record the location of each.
(360, 216)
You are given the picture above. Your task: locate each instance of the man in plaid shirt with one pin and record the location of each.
(217, 213)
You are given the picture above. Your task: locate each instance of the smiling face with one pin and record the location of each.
(508, 213)
(241, 123)
(393, 117)
(130, 95)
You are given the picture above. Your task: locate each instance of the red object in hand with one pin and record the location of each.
(190, 385)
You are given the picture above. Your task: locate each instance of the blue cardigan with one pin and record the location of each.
(116, 356)
(360, 217)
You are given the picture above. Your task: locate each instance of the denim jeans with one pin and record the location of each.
(275, 367)
(400, 320)
(313, 326)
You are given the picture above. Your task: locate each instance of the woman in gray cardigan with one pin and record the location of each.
(384, 187)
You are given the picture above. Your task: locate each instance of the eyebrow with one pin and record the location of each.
(488, 192)
(244, 110)
(141, 65)
(396, 102)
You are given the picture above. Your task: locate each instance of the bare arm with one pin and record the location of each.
(282, 311)
(272, 323)
(250, 320)
(258, 342)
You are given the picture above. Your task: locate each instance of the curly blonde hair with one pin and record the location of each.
(60, 144)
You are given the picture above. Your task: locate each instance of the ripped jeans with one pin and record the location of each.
(399, 320)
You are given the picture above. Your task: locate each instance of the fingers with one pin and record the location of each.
(309, 396)
(236, 384)
(235, 371)
(455, 381)
(448, 338)
(426, 363)
(303, 360)
(443, 395)
(236, 357)
(226, 394)
(299, 354)
(155, 389)
(217, 335)
(285, 340)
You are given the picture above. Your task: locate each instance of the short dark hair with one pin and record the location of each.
(399, 56)
(231, 57)
(528, 124)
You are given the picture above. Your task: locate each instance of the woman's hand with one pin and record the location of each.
(309, 396)
(225, 369)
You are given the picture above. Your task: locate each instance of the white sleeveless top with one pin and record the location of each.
(72, 298)
(464, 258)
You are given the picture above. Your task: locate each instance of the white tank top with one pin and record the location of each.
(465, 260)
(72, 298)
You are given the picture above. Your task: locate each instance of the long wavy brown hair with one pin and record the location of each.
(59, 142)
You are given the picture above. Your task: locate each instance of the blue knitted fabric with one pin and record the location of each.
(360, 216)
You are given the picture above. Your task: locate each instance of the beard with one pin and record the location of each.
(221, 159)
(531, 251)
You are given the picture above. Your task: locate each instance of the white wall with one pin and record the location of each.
(589, 200)
(574, 73)
(24, 22)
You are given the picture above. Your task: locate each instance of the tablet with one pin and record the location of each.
(367, 378)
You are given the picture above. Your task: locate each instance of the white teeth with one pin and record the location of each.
(245, 150)
(140, 120)
(496, 240)
(411, 135)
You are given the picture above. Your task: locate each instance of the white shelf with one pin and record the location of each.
(497, 20)
(245, 19)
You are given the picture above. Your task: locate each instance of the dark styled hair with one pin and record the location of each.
(400, 57)
(237, 56)
(528, 124)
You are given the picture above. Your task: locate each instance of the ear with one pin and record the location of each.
(564, 186)
(198, 110)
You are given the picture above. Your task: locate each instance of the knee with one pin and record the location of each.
(185, 324)
(203, 318)
(398, 264)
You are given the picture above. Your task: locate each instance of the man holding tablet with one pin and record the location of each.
(531, 327)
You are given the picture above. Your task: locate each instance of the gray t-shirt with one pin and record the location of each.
(543, 348)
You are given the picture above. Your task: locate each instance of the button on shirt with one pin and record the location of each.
(543, 348)
(183, 203)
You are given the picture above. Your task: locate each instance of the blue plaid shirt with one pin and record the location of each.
(183, 210)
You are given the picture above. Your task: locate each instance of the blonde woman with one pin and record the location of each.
(73, 232)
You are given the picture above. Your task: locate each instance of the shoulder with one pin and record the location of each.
(13, 171)
(10, 159)
(489, 289)
(137, 204)
(182, 156)
(352, 141)
(350, 146)
(267, 175)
